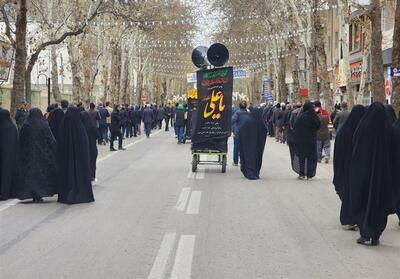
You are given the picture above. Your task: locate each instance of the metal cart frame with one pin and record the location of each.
(196, 160)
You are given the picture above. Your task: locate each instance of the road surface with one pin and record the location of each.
(153, 219)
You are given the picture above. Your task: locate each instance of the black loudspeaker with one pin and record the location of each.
(199, 57)
(218, 55)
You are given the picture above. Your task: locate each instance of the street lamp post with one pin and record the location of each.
(48, 84)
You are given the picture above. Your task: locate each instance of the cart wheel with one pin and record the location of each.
(224, 164)
(194, 163)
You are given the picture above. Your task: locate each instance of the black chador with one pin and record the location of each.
(306, 127)
(253, 134)
(371, 188)
(73, 160)
(92, 133)
(8, 155)
(37, 157)
(341, 162)
(396, 166)
(55, 118)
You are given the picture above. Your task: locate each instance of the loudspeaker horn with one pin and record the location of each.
(199, 57)
(218, 55)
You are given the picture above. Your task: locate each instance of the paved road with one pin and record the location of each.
(153, 219)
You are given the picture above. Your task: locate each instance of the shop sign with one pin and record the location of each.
(356, 70)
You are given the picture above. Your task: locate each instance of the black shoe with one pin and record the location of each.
(368, 241)
(121, 148)
(113, 149)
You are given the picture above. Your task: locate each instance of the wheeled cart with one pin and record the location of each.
(197, 159)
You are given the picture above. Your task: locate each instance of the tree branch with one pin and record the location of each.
(8, 27)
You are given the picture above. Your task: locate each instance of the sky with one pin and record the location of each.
(207, 22)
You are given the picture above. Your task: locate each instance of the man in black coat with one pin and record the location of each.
(148, 118)
(167, 116)
(115, 128)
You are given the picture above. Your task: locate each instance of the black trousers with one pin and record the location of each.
(159, 122)
(114, 135)
(147, 128)
(167, 124)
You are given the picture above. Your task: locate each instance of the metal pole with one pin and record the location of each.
(48, 91)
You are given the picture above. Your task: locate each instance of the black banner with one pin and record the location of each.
(214, 109)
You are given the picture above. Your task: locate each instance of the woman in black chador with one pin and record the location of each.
(37, 156)
(73, 160)
(396, 166)
(56, 116)
(305, 129)
(371, 188)
(341, 164)
(8, 155)
(252, 134)
(91, 131)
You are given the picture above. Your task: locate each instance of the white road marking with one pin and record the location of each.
(194, 203)
(184, 256)
(127, 146)
(8, 204)
(160, 263)
(183, 198)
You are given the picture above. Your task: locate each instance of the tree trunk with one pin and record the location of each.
(283, 94)
(344, 45)
(321, 58)
(18, 91)
(139, 87)
(54, 75)
(312, 65)
(123, 96)
(396, 59)
(76, 78)
(378, 80)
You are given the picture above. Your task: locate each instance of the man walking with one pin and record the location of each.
(167, 116)
(148, 119)
(341, 116)
(115, 129)
(180, 118)
(103, 129)
(238, 118)
(108, 119)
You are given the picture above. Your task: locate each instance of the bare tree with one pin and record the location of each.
(396, 58)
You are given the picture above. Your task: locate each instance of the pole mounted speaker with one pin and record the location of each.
(217, 55)
(199, 57)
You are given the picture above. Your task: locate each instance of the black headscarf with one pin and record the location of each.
(8, 155)
(252, 137)
(73, 158)
(305, 131)
(37, 158)
(55, 118)
(341, 161)
(92, 133)
(370, 173)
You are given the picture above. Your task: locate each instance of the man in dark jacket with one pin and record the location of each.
(115, 128)
(167, 116)
(103, 129)
(275, 120)
(160, 116)
(238, 118)
(148, 119)
(137, 121)
(124, 120)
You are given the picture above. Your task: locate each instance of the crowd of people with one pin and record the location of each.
(55, 153)
(366, 154)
